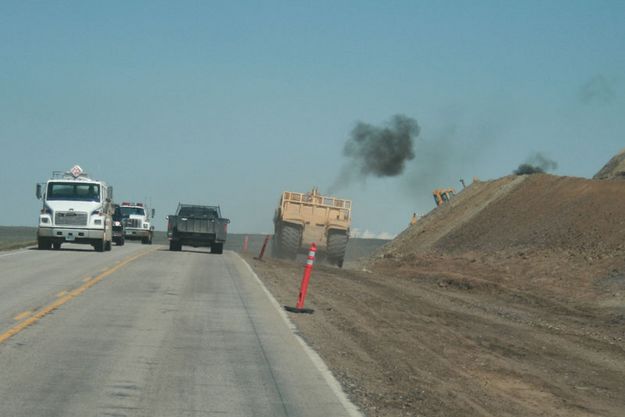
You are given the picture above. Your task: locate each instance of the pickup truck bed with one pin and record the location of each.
(197, 226)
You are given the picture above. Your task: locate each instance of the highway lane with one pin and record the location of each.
(30, 278)
(151, 333)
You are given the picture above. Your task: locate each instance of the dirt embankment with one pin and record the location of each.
(509, 301)
(557, 235)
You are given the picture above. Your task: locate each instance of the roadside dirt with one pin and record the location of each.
(509, 302)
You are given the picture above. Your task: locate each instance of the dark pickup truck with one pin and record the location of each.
(197, 226)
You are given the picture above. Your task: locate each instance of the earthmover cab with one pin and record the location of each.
(303, 218)
(442, 195)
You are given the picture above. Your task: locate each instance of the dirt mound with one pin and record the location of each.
(445, 219)
(561, 233)
(542, 211)
(614, 169)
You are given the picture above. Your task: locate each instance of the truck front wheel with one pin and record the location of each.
(43, 243)
(98, 245)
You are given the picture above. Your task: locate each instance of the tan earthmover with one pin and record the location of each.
(303, 218)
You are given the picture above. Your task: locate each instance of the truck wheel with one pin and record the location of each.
(43, 243)
(107, 245)
(175, 246)
(56, 245)
(337, 245)
(217, 248)
(98, 246)
(289, 241)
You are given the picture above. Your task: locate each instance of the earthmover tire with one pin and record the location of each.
(289, 241)
(337, 245)
(217, 248)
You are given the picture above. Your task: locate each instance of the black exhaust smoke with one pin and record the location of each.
(536, 164)
(378, 151)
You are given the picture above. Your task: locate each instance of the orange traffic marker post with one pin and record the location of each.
(262, 250)
(299, 308)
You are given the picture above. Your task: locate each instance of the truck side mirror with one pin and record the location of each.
(109, 191)
(166, 217)
(153, 211)
(38, 192)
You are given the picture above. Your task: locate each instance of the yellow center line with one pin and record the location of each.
(65, 298)
(61, 294)
(22, 316)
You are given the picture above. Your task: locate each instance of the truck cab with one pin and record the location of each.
(76, 209)
(136, 219)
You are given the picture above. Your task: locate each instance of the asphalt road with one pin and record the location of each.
(141, 331)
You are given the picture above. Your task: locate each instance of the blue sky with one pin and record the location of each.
(234, 102)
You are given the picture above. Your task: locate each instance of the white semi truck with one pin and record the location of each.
(76, 209)
(136, 220)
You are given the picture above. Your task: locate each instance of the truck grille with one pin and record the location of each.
(133, 223)
(70, 218)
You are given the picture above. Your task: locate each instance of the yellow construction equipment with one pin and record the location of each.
(303, 218)
(442, 195)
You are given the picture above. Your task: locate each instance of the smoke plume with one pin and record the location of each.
(598, 89)
(378, 151)
(536, 164)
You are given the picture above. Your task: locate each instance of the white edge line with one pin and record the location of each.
(15, 253)
(314, 356)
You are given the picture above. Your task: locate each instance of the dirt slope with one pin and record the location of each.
(614, 169)
(561, 235)
(443, 220)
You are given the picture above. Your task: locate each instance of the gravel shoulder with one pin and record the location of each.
(443, 336)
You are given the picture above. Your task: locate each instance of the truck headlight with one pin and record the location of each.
(44, 219)
(97, 222)
(145, 225)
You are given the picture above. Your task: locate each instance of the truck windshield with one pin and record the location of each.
(196, 211)
(127, 211)
(73, 191)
